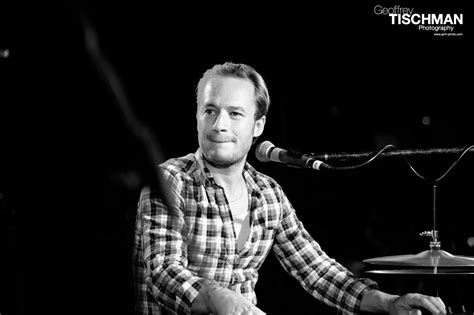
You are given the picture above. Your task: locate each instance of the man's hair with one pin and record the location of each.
(243, 71)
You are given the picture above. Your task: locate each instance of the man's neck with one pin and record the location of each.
(228, 177)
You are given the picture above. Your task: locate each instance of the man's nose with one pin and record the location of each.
(222, 122)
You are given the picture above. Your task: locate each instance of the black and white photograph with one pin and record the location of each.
(236, 158)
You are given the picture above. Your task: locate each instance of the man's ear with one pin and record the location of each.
(259, 126)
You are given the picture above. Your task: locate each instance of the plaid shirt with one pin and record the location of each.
(177, 249)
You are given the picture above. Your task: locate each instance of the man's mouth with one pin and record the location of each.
(219, 140)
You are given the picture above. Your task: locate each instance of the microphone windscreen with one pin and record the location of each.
(262, 151)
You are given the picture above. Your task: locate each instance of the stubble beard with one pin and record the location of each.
(222, 164)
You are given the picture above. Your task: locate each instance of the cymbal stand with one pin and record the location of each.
(435, 245)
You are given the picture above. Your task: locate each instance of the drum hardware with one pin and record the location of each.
(434, 257)
(434, 262)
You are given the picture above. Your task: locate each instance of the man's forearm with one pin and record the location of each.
(202, 303)
(218, 300)
(377, 301)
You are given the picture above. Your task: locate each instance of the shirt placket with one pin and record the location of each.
(229, 240)
(237, 273)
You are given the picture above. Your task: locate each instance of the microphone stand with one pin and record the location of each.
(394, 153)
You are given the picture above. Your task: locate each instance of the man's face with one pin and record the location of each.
(225, 120)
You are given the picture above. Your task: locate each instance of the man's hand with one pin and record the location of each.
(410, 304)
(225, 301)
(376, 301)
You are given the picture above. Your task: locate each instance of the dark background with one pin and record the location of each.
(341, 79)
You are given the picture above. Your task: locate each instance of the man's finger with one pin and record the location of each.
(428, 302)
(438, 303)
(414, 311)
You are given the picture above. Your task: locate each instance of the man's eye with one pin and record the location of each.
(209, 111)
(236, 114)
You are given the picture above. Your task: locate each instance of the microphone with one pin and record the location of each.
(266, 152)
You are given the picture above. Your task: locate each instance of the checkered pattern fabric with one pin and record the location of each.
(178, 248)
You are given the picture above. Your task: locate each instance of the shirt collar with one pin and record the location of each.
(249, 173)
(203, 174)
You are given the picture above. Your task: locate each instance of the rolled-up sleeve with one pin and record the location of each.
(164, 246)
(320, 275)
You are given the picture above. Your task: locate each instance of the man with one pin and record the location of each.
(201, 253)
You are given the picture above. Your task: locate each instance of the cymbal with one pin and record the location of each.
(427, 258)
(424, 271)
